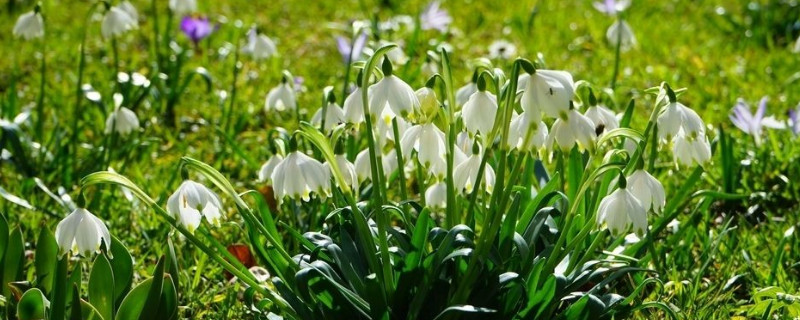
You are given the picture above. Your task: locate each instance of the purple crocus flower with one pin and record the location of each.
(794, 120)
(612, 7)
(752, 123)
(435, 18)
(196, 28)
(351, 52)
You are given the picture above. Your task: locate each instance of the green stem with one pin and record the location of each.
(617, 57)
(40, 101)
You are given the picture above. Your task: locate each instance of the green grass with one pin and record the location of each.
(719, 55)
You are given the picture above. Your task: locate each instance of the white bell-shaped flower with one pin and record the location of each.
(438, 169)
(648, 190)
(466, 174)
(436, 196)
(354, 107)
(348, 170)
(464, 142)
(259, 46)
(298, 175)
(116, 22)
(393, 92)
(334, 115)
(463, 93)
(677, 118)
(364, 167)
(604, 120)
(479, 113)
(122, 120)
(576, 128)
(620, 33)
(281, 98)
(183, 7)
(191, 202)
(82, 233)
(429, 105)
(522, 127)
(384, 129)
(30, 25)
(620, 210)
(128, 7)
(265, 173)
(691, 149)
(548, 91)
(429, 142)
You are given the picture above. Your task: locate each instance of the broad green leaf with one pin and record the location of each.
(46, 260)
(101, 287)
(58, 298)
(3, 240)
(122, 266)
(13, 260)
(153, 301)
(463, 309)
(32, 305)
(131, 307)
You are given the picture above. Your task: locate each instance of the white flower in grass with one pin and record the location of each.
(522, 127)
(348, 170)
(116, 22)
(466, 173)
(364, 167)
(298, 175)
(265, 173)
(548, 91)
(259, 46)
(130, 10)
(463, 93)
(604, 120)
(436, 196)
(691, 149)
(281, 98)
(464, 142)
(82, 233)
(334, 115)
(30, 25)
(354, 107)
(620, 33)
(574, 128)
(191, 202)
(676, 119)
(429, 142)
(502, 49)
(122, 120)
(612, 7)
(621, 210)
(384, 129)
(479, 113)
(648, 190)
(429, 105)
(393, 92)
(183, 7)
(438, 169)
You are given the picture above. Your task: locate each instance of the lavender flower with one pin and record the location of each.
(612, 7)
(794, 120)
(352, 51)
(196, 28)
(751, 123)
(435, 18)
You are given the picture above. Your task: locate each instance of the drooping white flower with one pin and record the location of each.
(298, 175)
(438, 169)
(464, 142)
(429, 142)
(82, 233)
(602, 116)
(122, 120)
(348, 170)
(436, 196)
(130, 10)
(259, 46)
(620, 210)
(648, 190)
(466, 173)
(384, 128)
(677, 118)
(548, 91)
(191, 202)
(574, 128)
(30, 25)
(612, 7)
(265, 173)
(429, 105)
(183, 7)
(393, 92)
(354, 107)
(334, 115)
(620, 33)
(502, 49)
(479, 113)
(463, 93)
(522, 127)
(281, 98)
(116, 22)
(364, 167)
(690, 149)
